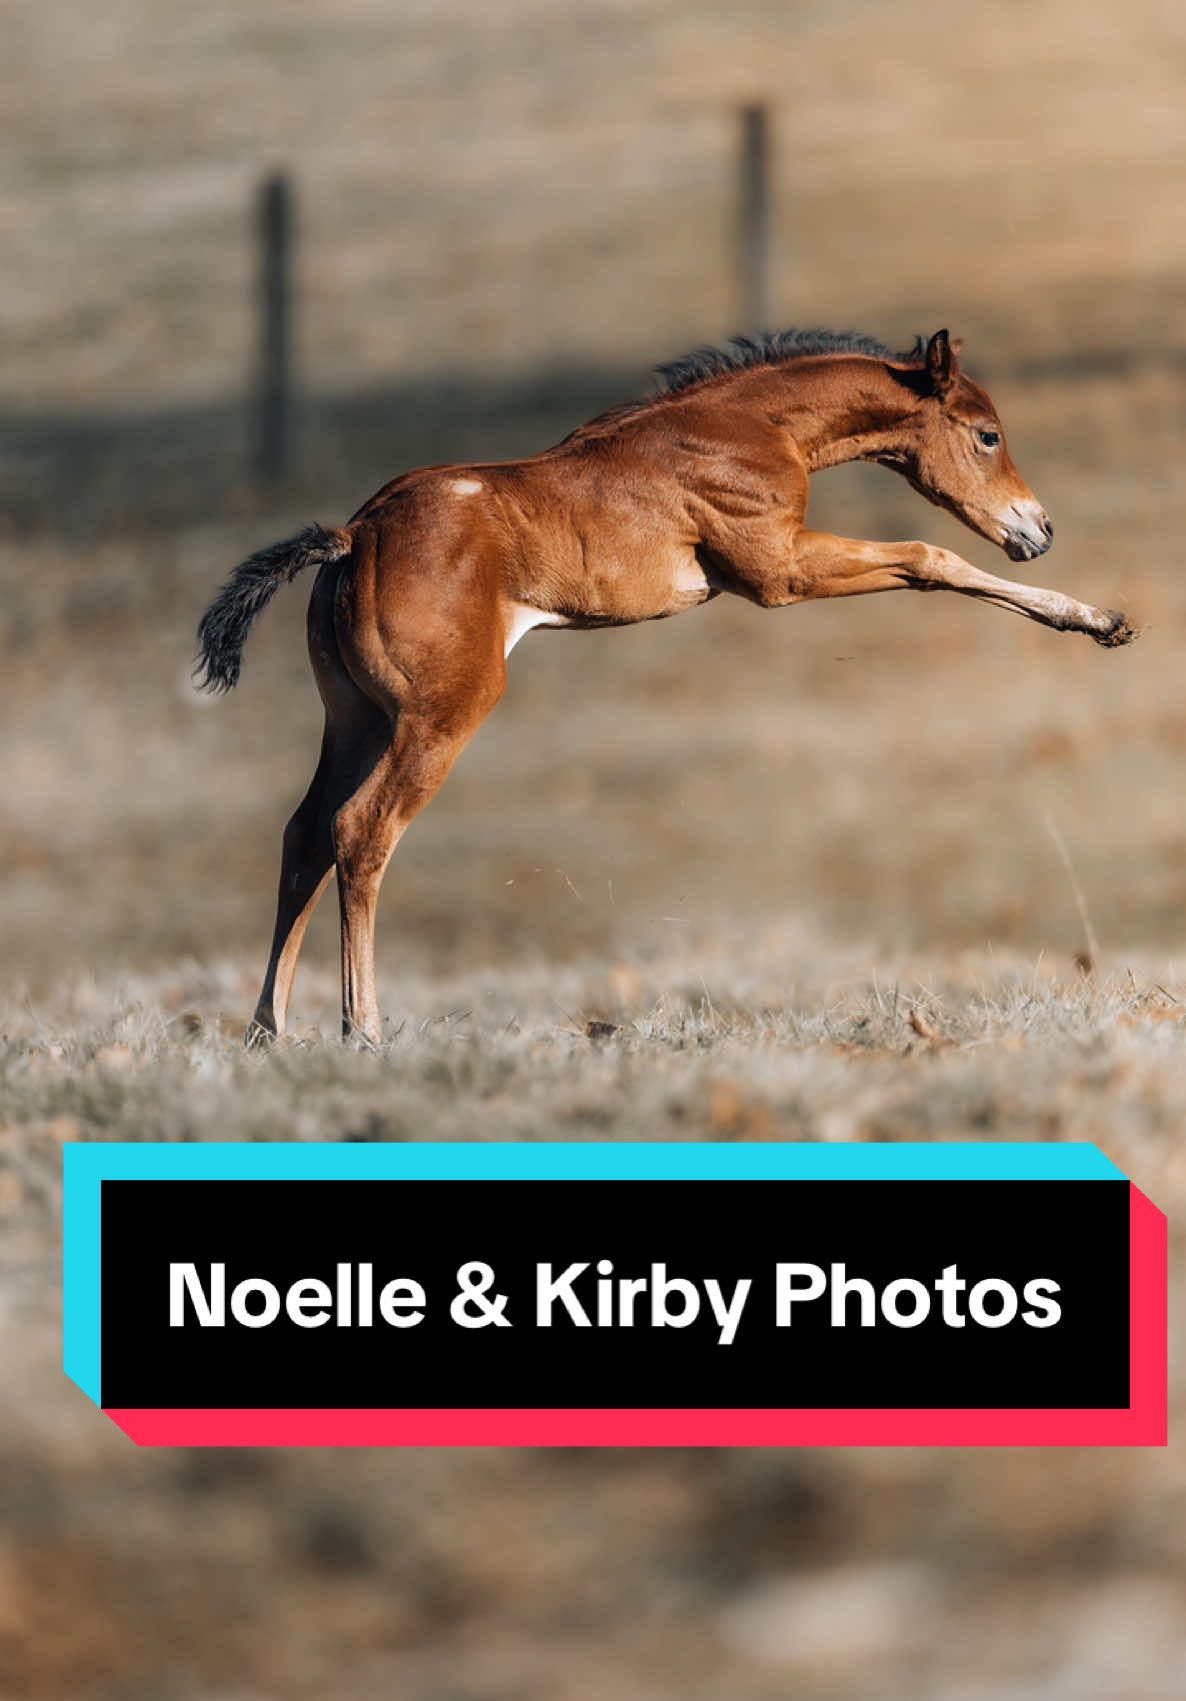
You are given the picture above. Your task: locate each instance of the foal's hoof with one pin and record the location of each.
(1118, 631)
(259, 1037)
(359, 1039)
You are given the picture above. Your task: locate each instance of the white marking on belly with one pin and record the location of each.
(521, 617)
(466, 486)
(690, 577)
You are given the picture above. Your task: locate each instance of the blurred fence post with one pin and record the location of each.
(754, 218)
(273, 422)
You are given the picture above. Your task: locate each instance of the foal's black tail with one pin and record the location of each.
(250, 588)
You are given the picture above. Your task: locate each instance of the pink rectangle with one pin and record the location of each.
(629, 1428)
(1141, 1424)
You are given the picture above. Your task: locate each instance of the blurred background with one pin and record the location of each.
(260, 257)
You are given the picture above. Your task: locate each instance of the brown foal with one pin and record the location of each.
(654, 508)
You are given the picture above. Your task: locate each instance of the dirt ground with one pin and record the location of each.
(753, 844)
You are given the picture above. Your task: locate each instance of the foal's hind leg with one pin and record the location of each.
(349, 747)
(356, 734)
(369, 826)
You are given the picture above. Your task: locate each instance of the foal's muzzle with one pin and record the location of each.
(1028, 532)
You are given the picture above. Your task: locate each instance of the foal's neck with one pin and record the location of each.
(841, 408)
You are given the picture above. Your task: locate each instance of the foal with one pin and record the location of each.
(653, 508)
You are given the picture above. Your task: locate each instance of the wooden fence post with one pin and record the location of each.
(754, 219)
(273, 423)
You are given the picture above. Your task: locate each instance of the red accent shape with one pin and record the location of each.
(1144, 1423)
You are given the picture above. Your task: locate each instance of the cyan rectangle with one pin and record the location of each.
(87, 1166)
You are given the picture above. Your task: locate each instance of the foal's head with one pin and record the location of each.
(957, 457)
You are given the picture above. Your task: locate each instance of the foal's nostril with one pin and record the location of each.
(1048, 528)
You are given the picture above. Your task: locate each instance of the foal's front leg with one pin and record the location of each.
(827, 566)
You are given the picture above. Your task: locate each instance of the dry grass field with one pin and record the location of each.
(822, 874)
(588, 1577)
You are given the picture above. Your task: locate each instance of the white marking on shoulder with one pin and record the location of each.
(467, 486)
(521, 618)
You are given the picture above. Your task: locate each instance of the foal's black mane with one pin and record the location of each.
(771, 348)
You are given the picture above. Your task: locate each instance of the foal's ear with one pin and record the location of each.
(941, 363)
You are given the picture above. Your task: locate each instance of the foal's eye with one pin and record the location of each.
(990, 439)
